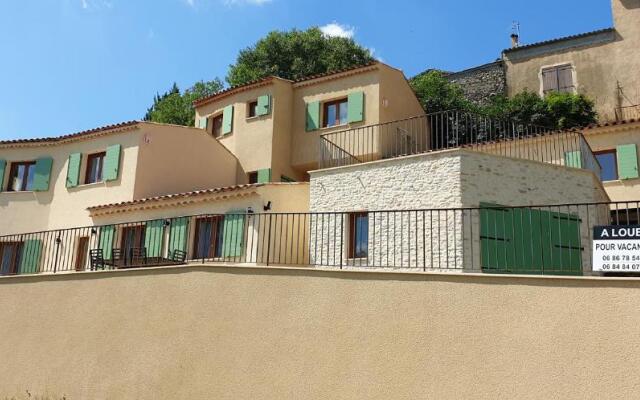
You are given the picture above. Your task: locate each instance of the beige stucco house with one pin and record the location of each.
(273, 126)
(602, 64)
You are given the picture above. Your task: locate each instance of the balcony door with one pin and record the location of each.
(10, 257)
(208, 239)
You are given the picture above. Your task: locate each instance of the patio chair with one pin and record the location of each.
(137, 254)
(97, 259)
(117, 257)
(179, 256)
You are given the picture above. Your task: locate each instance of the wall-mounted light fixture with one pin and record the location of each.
(249, 210)
(267, 207)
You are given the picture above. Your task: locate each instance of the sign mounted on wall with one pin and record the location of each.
(616, 248)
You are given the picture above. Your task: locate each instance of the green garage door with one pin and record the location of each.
(529, 241)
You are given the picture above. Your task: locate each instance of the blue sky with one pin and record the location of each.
(70, 65)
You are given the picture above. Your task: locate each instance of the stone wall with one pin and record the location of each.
(480, 83)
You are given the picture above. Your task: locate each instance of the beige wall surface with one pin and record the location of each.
(598, 69)
(175, 159)
(607, 138)
(259, 333)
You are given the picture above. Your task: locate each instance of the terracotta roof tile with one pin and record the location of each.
(612, 123)
(234, 89)
(542, 43)
(177, 196)
(71, 135)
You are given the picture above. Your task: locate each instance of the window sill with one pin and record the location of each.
(256, 117)
(18, 191)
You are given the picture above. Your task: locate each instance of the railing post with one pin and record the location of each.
(269, 241)
(55, 260)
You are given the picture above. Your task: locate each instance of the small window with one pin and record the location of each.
(21, 176)
(253, 177)
(95, 166)
(558, 79)
(252, 109)
(216, 124)
(609, 164)
(358, 235)
(335, 113)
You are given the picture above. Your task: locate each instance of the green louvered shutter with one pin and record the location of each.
(106, 240)
(627, 161)
(73, 170)
(313, 116)
(42, 174)
(355, 107)
(30, 258)
(202, 122)
(233, 234)
(153, 237)
(264, 175)
(112, 163)
(264, 105)
(573, 159)
(227, 120)
(3, 166)
(178, 234)
(496, 238)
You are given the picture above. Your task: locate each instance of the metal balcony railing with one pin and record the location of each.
(455, 129)
(547, 239)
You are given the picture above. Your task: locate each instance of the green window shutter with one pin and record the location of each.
(112, 163)
(313, 116)
(496, 238)
(153, 237)
(42, 174)
(573, 159)
(106, 240)
(233, 234)
(264, 105)
(355, 107)
(30, 258)
(3, 166)
(73, 170)
(627, 161)
(227, 120)
(202, 122)
(178, 234)
(264, 175)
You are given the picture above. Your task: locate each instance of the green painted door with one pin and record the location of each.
(178, 234)
(529, 241)
(30, 259)
(105, 242)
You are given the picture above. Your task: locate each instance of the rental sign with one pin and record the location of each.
(616, 248)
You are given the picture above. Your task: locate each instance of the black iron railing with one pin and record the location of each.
(529, 240)
(455, 129)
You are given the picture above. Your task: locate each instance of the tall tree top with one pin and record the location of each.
(296, 54)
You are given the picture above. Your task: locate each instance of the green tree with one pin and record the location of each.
(436, 93)
(296, 54)
(174, 107)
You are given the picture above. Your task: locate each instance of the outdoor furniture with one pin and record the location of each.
(137, 255)
(179, 256)
(97, 259)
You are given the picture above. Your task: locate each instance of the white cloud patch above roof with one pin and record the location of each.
(335, 29)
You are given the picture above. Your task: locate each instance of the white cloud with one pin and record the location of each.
(190, 3)
(95, 4)
(338, 30)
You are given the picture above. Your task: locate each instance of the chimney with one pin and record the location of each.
(515, 40)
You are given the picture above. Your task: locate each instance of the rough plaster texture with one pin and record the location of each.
(440, 237)
(249, 333)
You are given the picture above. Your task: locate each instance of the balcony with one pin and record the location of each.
(628, 112)
(455, 129)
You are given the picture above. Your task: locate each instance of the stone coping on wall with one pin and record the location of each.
(378, 273)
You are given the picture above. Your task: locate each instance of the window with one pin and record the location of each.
(132, 237)
(95, 165)
(335, 113)
(558, 79)
(21, 176)
(609, 164)
(252, 109)
(253, 177)
(216, 123)
(358, 235)
(208, 240)
(10, 257)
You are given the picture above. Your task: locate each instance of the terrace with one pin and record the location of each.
(456, 129)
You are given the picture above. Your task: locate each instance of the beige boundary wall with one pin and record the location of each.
(206, 332)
